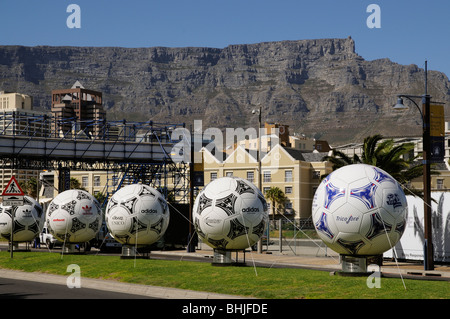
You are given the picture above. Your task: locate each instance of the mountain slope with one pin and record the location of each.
(318, 87)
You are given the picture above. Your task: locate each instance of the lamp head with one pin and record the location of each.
(400, 106)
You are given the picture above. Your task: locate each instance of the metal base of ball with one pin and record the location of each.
(353, 266)
(223, 258)
(74, 249)
(133, 252)
(17, 249)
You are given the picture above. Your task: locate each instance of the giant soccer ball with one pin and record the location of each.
(137, 215)
(230, 214)
(74, 216)
(28, 220)
(359, 210)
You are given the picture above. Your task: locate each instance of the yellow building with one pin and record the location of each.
(93, 182)
(297, 174)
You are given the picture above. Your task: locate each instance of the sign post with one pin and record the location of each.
(12, 196)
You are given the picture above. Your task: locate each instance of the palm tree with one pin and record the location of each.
(386, 155)
(75, 184)
(340, 159)
(276, 196)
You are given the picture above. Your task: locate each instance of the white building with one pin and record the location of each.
(15, 111)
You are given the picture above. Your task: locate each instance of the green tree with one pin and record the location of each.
(100, 197)
(277, 197)
(397, 160)
(29, 187)
(75, 184)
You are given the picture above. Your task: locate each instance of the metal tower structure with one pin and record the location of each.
(129, 152)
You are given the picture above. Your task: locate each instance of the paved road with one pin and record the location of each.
(25, 289)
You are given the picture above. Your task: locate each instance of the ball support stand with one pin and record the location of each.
(16, 248)
(135, 252)
(353, 265)
(73, 249)
(357, 265)
(222, 258)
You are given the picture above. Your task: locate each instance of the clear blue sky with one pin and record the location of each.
(411, 31)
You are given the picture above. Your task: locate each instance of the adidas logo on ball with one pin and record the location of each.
(27, 213)
(117, 220)
(211, 221)
(250, 210)
(86, 210)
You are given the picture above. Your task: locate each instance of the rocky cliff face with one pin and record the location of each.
(318, 87)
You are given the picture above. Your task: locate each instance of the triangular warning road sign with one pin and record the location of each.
(13, 188)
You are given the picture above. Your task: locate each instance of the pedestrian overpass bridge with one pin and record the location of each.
(51, 148)
(44, 138)
(137, 151)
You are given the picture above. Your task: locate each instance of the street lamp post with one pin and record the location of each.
(190, 245)
(259, 164)
(426, 160)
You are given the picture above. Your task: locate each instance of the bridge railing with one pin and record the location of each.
(16, 123)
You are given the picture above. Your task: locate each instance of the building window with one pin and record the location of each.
(288, 205)
(85, 181)
(267, 176)
(288, 176)
(440, 184)
(316, 174)
(266, 189)
(213, 176)
(97, 181)
(229, 174)
(251, 176)
(288, 190)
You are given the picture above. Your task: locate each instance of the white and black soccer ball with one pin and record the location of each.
(74, 216)
(230, 213)
(359, 210)
(28, 220)
(137, 215)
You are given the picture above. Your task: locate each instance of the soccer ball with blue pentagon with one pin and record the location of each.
(74, 216)
(28, 220)
(359, 210)
(137, 214)
(230, 213)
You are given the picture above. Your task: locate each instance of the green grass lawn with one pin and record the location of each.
(264, 283)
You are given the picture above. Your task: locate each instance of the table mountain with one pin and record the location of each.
(321, 88)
